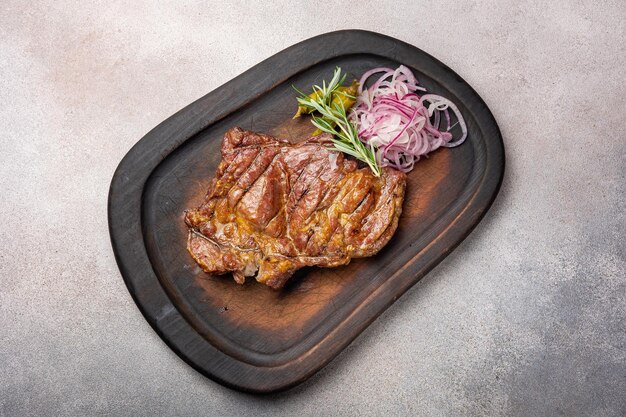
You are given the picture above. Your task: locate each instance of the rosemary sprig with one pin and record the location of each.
(334, 120)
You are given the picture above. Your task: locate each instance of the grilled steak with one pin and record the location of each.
(274, 207)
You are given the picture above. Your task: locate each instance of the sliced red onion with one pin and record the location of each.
(402, 125)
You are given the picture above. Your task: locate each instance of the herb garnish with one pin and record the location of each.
(334, 120)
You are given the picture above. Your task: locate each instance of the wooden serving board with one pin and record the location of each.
(251, 337)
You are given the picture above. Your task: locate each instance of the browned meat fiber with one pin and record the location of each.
(274, 207)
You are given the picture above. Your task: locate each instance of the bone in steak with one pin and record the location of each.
(274, 207)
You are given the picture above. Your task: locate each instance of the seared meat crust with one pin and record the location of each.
(274, 207)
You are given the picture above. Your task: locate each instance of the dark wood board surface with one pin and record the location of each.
(251, 337)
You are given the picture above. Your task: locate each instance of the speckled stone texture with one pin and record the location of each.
(526, 318)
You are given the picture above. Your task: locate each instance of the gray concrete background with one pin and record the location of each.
(527, 317)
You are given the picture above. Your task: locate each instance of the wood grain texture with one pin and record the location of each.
(251, 337)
